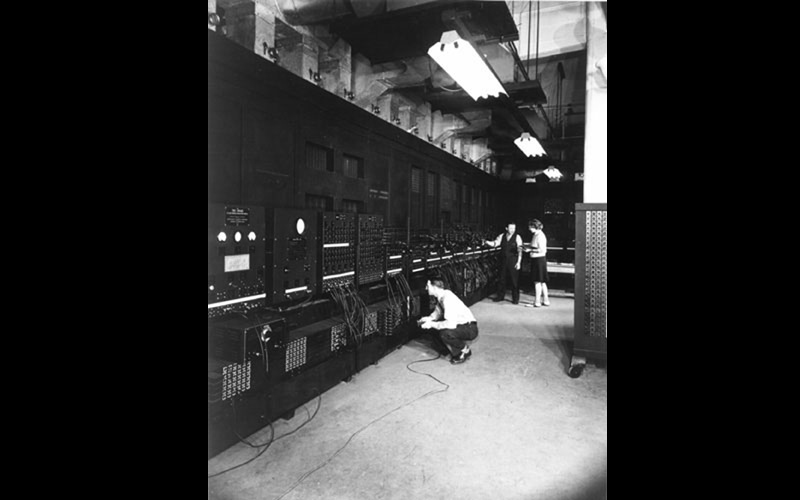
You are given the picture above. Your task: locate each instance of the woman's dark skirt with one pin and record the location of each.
(539, 270)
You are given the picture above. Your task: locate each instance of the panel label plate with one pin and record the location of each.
(237, 263)
(237, 216)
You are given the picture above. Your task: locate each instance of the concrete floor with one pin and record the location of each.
(512, 426)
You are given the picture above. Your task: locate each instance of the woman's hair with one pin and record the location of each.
(536, 224)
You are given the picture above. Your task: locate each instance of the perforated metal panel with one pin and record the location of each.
(236, 380)
(338, 337)
(371, 326)
(596, 318)
(296, 354)
(591, 282)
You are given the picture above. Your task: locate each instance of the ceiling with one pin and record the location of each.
(550, 103)
(410, 32)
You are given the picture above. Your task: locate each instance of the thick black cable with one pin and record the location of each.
(271, 441)
(360, 431)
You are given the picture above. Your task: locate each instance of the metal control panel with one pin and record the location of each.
(371, 255)
(292, 254)
(338, 250)
(236, 263)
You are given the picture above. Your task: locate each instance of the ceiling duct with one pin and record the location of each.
(316, 11)
(327, 11)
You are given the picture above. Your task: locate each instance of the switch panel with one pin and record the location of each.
(338, 250)
(371, 254)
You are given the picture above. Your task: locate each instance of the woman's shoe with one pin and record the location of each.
(546, 304)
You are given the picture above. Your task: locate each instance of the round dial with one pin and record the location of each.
(237, 237)
(301, 226)
(252, 236)
(222, 237)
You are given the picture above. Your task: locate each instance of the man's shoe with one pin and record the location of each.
(461, 359)
(496, 299)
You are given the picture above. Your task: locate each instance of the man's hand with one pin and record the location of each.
(427, 325)
(518, 266)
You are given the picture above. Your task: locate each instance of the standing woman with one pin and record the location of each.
(538, 252)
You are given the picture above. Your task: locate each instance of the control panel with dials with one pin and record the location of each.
(292, 254)
(236, 261)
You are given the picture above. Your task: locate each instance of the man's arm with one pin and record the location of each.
(445, 323)
(438, 314)
(496, 243)
(520, 250)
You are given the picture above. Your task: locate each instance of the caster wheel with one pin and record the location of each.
(288, 415)
(577, 371)
(577, 367)
(348, 380)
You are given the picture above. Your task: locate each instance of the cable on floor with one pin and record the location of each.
(354, 436)
(271, 441)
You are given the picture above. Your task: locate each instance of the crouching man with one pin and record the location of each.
(452, 322)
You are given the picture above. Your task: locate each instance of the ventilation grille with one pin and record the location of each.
(236, 380)
(318, 158)
(597, 274)
(296, 354)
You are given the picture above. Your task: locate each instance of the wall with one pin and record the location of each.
(562, 28)
(552, 203)
(261, 119)
(597, 109)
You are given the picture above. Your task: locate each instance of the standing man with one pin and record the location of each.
(511, 247)
(452, 320)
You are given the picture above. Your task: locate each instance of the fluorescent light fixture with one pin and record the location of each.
(530, 146)
(466, 66)
(554, 174)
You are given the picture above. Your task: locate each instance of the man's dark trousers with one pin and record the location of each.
(456, 340)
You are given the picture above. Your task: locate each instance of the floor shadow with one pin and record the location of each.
(424, 343)
(562, 349)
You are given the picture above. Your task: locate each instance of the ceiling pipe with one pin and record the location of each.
(316, 11)
(326, 11)
(527, 76)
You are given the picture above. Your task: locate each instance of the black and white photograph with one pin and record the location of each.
(407, 250)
